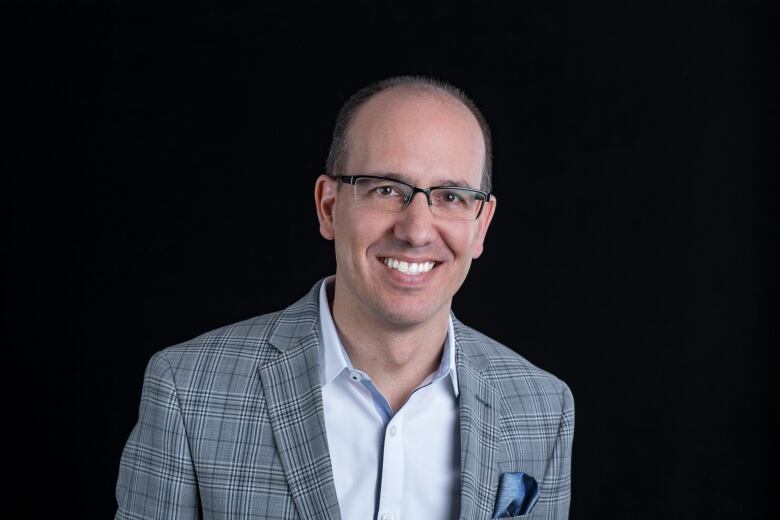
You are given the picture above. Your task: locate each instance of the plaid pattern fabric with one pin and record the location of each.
(231, 425)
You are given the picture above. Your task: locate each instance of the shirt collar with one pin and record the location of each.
(334, 359)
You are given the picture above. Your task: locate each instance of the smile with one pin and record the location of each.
(407, 267)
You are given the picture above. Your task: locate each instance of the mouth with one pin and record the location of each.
(409, 268)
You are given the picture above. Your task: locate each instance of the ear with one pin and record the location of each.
(325, 190)
(482, 226)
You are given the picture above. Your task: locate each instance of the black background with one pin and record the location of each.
(160, 181)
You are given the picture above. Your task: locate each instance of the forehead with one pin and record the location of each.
(426, 137)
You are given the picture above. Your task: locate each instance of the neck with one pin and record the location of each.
(396, 357)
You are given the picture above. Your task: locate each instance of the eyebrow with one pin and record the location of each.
(442, 184)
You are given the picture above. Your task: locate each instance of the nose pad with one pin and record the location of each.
(425, 198)
(418, 209)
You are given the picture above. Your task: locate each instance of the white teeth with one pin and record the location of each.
(409, 268)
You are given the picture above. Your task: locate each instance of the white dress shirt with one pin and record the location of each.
(402, 466)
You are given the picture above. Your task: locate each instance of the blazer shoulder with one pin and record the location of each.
(235, 349)
(231, 354)
(513, 373)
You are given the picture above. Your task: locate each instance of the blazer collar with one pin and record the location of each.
(297, 322)
(291, 385)
(479, 406)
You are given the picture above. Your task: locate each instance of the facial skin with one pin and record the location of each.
(426, 139)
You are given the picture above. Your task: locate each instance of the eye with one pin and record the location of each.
(387, 191)
(451, 197)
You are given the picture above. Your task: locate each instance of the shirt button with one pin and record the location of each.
(355, 377)
(387, 516)
(392, 431)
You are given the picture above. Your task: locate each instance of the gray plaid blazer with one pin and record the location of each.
(231, 425)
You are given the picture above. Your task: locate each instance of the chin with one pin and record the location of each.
(404, 316)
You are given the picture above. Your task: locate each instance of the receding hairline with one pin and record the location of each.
(422, 90)
(413, 91)
(411, 85)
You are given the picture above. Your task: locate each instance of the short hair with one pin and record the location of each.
(339, 145)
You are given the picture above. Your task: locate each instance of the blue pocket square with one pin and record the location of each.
(517, 495)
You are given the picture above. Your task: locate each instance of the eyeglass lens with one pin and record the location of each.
(386, 195)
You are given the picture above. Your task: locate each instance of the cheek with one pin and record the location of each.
(355, 234)
(367, 230)
(462, 241)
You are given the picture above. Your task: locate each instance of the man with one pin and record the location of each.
(366, 398)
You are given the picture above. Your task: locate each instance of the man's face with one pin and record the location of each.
(426, 140)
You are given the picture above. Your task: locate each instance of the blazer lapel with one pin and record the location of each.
(479, 427)
(291, 384)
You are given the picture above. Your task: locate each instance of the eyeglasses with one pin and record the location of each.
(390, 195)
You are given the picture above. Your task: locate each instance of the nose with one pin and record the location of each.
(415, 223)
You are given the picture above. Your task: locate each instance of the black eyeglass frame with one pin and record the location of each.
(352, 179)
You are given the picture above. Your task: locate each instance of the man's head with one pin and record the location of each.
(421, 134)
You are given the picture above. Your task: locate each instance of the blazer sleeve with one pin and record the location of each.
(156, 473)
(555, 497)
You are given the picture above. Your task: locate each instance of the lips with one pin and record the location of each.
(408, 268)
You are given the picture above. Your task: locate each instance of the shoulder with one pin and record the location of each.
(230, 353)
(513, 375)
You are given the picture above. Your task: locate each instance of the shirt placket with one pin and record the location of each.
(393, 466)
